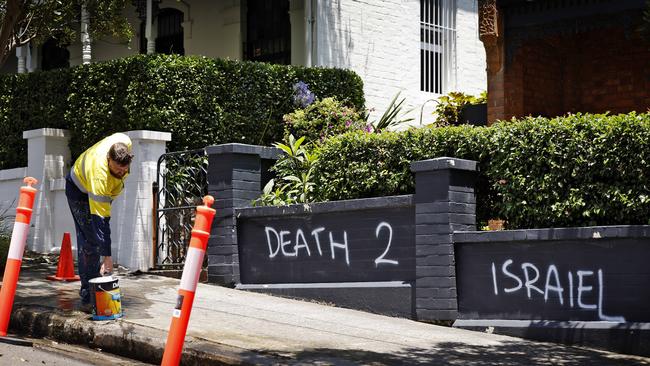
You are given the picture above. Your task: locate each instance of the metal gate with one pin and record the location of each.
(181, 183)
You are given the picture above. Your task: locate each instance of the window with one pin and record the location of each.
(437, 46)
(268, 31)
(54, 55)
(169, 39)
(169, 36)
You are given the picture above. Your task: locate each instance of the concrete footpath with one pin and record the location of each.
(236, 327)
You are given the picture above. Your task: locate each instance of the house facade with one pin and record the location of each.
(552, 57)
(423, 48)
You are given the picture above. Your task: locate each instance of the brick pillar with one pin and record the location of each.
(236, 175)
(491, 34)
(444, 203)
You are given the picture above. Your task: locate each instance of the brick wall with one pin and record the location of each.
(603, 70)
(444, 203)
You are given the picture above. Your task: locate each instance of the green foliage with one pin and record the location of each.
(201, 101)
(185, 178)
(569, 171)
(294, 168)
(5, 234)
(36, 21)
(360, 165)
(29, 101)
(322, 119)
(576, 170)
(450, 106)
(393, 115)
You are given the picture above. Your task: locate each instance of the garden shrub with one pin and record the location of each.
(322, 119)
(360, 165)
(29, 101)
(201, 101)
(572, 171)
(576, 170)
(293, 175)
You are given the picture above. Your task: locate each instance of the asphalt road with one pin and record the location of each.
(46, 352)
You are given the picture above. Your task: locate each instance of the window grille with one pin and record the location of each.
(437, 46)
(268, 31)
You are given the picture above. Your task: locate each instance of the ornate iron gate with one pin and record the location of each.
(180, 185)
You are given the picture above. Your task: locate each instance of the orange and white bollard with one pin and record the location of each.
(16, 249)
(189, 280)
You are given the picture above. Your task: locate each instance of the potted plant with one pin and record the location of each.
(475, 111)
(458, 108)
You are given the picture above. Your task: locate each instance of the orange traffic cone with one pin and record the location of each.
(65, 270)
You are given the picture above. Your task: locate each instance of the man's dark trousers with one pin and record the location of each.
(87, 251)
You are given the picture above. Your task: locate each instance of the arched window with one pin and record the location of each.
(169, 39)
(54, 56)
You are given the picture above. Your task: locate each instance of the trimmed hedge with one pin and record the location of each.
(27, 102)
(201, 101)
(570, 171)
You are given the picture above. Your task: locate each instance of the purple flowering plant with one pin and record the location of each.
(302, 96)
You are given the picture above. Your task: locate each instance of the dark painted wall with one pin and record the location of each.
(339, 246)
(585, 279)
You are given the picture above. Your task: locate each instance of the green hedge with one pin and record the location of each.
(201, 101)
(570, 171)
(29, 101)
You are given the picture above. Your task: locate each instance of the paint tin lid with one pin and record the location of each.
(104, 279)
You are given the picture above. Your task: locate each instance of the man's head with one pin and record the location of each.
(119, 159)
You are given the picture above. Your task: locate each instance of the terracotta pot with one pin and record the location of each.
(496, 224)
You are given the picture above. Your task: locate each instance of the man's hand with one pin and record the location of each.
(107, 266)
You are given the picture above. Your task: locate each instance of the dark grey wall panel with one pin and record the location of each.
(605, 279)
(355, 246)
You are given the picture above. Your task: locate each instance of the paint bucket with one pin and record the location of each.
(106, 298)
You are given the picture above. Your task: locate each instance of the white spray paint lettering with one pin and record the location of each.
(552, 285)
(279, 242)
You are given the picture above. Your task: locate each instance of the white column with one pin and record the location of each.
(20, 55)
(297, 21)
(132, 218)
(309, 32)
(151, 41)
(48, 159)
(32, 57)
(86, 51)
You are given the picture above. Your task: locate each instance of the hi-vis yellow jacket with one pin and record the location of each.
(91, 176)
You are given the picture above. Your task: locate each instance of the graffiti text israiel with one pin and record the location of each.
(571, 292)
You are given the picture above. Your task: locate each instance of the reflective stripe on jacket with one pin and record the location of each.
(91, 175)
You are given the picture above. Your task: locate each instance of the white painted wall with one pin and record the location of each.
(10, 182)
(380, 40)
(216, 28)
(49, 162)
